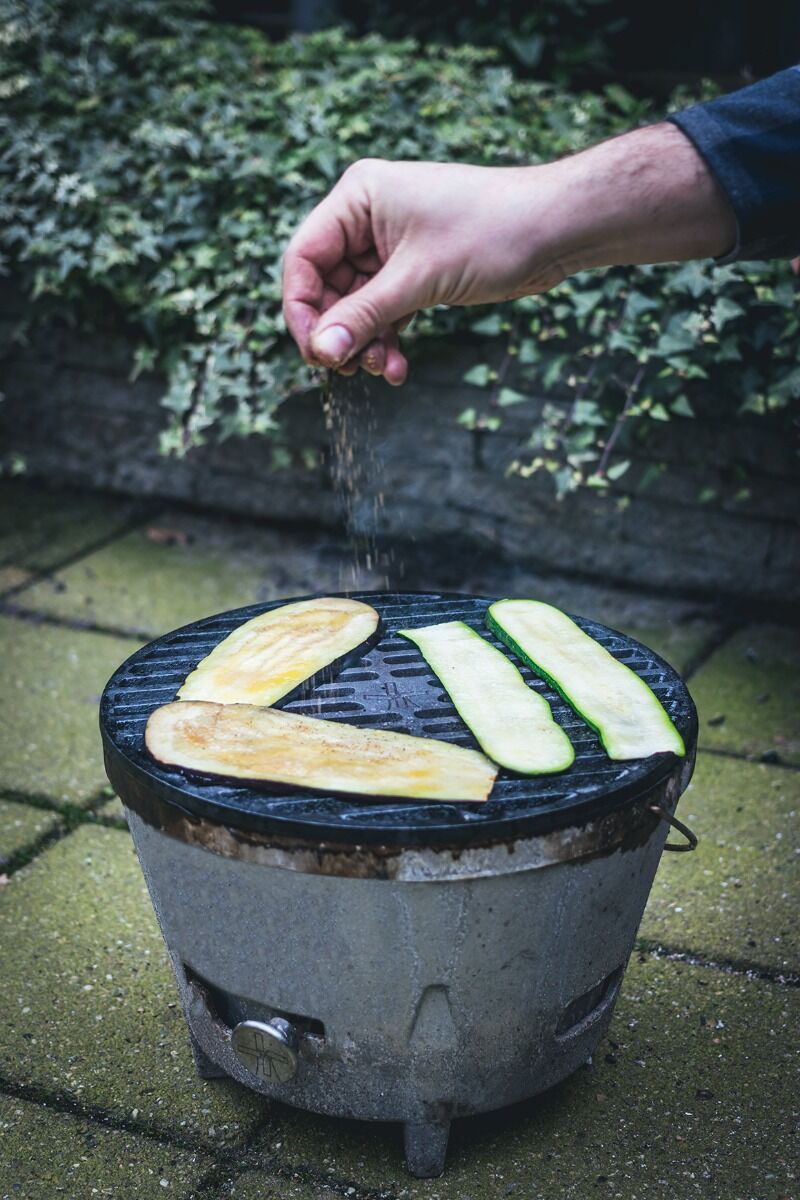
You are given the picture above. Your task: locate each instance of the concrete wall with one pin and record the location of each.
(72, 414)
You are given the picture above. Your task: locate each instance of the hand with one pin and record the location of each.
(392, 237)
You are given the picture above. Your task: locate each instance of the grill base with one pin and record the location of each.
(415, 1002)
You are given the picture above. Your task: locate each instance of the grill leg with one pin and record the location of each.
(425, 1145)
(206, 1069)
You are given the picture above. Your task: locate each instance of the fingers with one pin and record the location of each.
(363, 315)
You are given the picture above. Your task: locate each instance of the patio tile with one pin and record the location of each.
(748, 694)
(49, 741)
(184, 567)
(40, 528)
(261, 1185)
(675, 1104)
(734, 898)
(88, 1004)
(20, 826)
(47, 1154)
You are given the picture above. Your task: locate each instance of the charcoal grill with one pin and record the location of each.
(405, 961)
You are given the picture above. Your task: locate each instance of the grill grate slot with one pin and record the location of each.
(390, 688)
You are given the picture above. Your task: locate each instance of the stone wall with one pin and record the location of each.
(72, 414)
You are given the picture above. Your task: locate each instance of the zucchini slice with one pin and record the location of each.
(612, 699)
(249, 742)
(268, 657)
(512, 724)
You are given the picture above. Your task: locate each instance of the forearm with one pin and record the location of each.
(645, 197)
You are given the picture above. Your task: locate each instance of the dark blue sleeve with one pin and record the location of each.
(750, 139)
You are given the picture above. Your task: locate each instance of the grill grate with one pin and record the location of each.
(391, 687)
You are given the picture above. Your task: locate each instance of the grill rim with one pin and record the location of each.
(184, 794)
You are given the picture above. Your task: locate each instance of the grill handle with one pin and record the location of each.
(691, 837)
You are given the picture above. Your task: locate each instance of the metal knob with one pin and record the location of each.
(267, 1049)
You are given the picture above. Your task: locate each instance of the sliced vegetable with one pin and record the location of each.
(267, 658)
(244, 741)
(612, 699)
(513, 725)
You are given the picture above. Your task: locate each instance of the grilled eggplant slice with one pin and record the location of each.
(513, 725)
(612, 699)
(269, 657)
(248, 742)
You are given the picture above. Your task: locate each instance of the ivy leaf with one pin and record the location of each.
(618, 469)
(724, 310)
(658, 413)
(479, 375)
(488, 326)
(508, 396)
(681, 407)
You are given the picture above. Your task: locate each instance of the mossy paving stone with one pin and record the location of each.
(88, 1003)
(748, 694)
(21, 826)
(48, 1154)
(736, 897)
(40, 528)
(52, 681)
(693, 1093)
(261, 1185)
(183, 567)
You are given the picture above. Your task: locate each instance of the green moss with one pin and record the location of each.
(202, 566)
(40, 529)
(674, 1104)
(46, 1154)
(88, 1000)
(21, 826)
(49, 740)
(735, 898)
(748, 694)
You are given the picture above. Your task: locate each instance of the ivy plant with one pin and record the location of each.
(153, 165)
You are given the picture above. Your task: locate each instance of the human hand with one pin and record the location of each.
(393, 237)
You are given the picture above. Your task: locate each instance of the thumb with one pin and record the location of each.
(357, 319)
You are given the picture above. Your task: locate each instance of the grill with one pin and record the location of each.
(396, 960)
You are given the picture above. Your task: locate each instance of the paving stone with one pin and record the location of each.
(20, 826)
(48, 1154)
(748, 694)
(261, 1185)
(185, 567)
(674, 1104)
(49, 740)
(113, 811)
(88, 1003)
(735, 897)
(40, 528)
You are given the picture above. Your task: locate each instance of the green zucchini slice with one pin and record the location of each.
(612, 699)
(512, 724)
(269, 657)
(257, 744)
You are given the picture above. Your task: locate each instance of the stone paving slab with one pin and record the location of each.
(185, 566)
(674, 1105)
(40, 528)
(48, 1154)
(260, 1185)
(736, 897)
(748, 694)
(49, 739)
(88, 1003)
(20, 826)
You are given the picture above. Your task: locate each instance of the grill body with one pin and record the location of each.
(430, 961)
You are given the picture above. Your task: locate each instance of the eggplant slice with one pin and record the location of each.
(252, 743)
(268, 658)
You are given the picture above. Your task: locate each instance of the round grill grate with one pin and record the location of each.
(391, 687)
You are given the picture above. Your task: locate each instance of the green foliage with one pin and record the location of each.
(153, 167)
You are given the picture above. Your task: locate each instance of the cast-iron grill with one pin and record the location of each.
(402, 960)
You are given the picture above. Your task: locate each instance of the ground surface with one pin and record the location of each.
(693, 1094)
